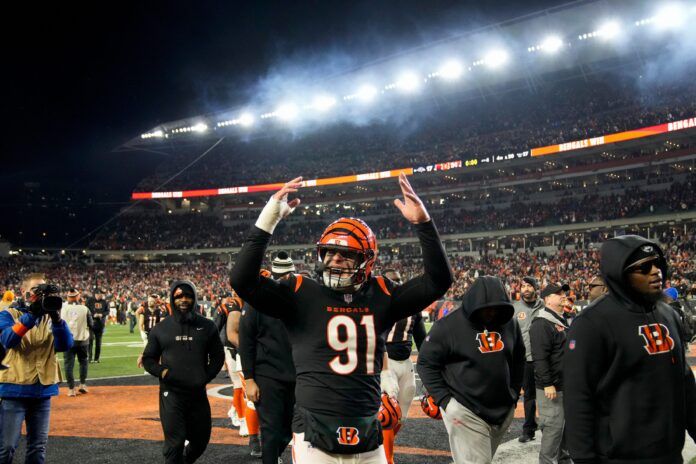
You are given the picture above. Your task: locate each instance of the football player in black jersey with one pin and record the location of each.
(336, 324)
(149, 315)
(398, 378)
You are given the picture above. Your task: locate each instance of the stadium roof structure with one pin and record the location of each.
(580, 37)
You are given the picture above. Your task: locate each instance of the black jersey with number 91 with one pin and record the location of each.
(338, 345)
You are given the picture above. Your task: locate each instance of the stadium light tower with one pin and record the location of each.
(670, 16)
(245, 120)
(552, 44)
(287, 112)
(366, 93)
(609, 30)
(496, 58)
(408, 82)
(451, 70)
(323, 103)
(200, 128)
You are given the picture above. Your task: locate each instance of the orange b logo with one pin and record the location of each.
(656, 338)
(489, 342)
(348, 436)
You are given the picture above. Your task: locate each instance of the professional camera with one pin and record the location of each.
(46, 297)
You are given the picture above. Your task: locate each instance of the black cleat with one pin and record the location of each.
(525, 438)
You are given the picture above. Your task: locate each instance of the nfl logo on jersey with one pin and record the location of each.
(348, 298)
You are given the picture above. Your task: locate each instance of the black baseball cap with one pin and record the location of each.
(531, 281)
(550, 289)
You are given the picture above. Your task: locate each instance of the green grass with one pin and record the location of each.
(120, 351)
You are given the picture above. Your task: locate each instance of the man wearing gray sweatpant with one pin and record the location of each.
(472, 363)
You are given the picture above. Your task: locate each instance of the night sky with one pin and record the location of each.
(81, 80)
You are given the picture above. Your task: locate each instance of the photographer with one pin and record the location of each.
(32, 333)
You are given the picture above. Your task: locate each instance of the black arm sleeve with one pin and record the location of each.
(421, 291)
(540, 341)
(265, 295)
(432, 359)
(519, 359)
(152, 354)
(248, 332)
(419, 332)
(216, 355)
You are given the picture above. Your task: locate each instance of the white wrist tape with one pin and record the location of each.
(389, 383)
(272, 214)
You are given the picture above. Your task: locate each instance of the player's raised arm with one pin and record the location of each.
(419, 292)
(263, 293)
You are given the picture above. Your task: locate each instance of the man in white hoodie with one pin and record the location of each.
(79, 320)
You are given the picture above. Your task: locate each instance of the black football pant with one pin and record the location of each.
(184, 416)
(530, 424)
(95, 342)
(275, 411)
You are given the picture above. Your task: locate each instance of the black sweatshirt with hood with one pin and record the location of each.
(629, 394)
(188, 345)
(480, 366)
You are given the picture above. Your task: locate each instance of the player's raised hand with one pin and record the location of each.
(278, 207)
(290, 187)
(411, 207)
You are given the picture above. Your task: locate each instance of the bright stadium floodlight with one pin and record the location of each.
(609, 30)
(323, 102)
(670, 16)
(496, 58)
(366, 93)
(451, 70)
(408, 82)
(552, 44)
(287, 112)
(245, 120)
(200, 127)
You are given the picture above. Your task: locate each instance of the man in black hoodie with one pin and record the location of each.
(185, 353)
(629, 393)
(472, 363)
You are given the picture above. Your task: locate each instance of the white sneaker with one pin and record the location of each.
(83, 388)
(72, 392)
(232, 414)
(243, 429)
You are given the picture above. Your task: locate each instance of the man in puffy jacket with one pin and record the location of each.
(185, 352)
